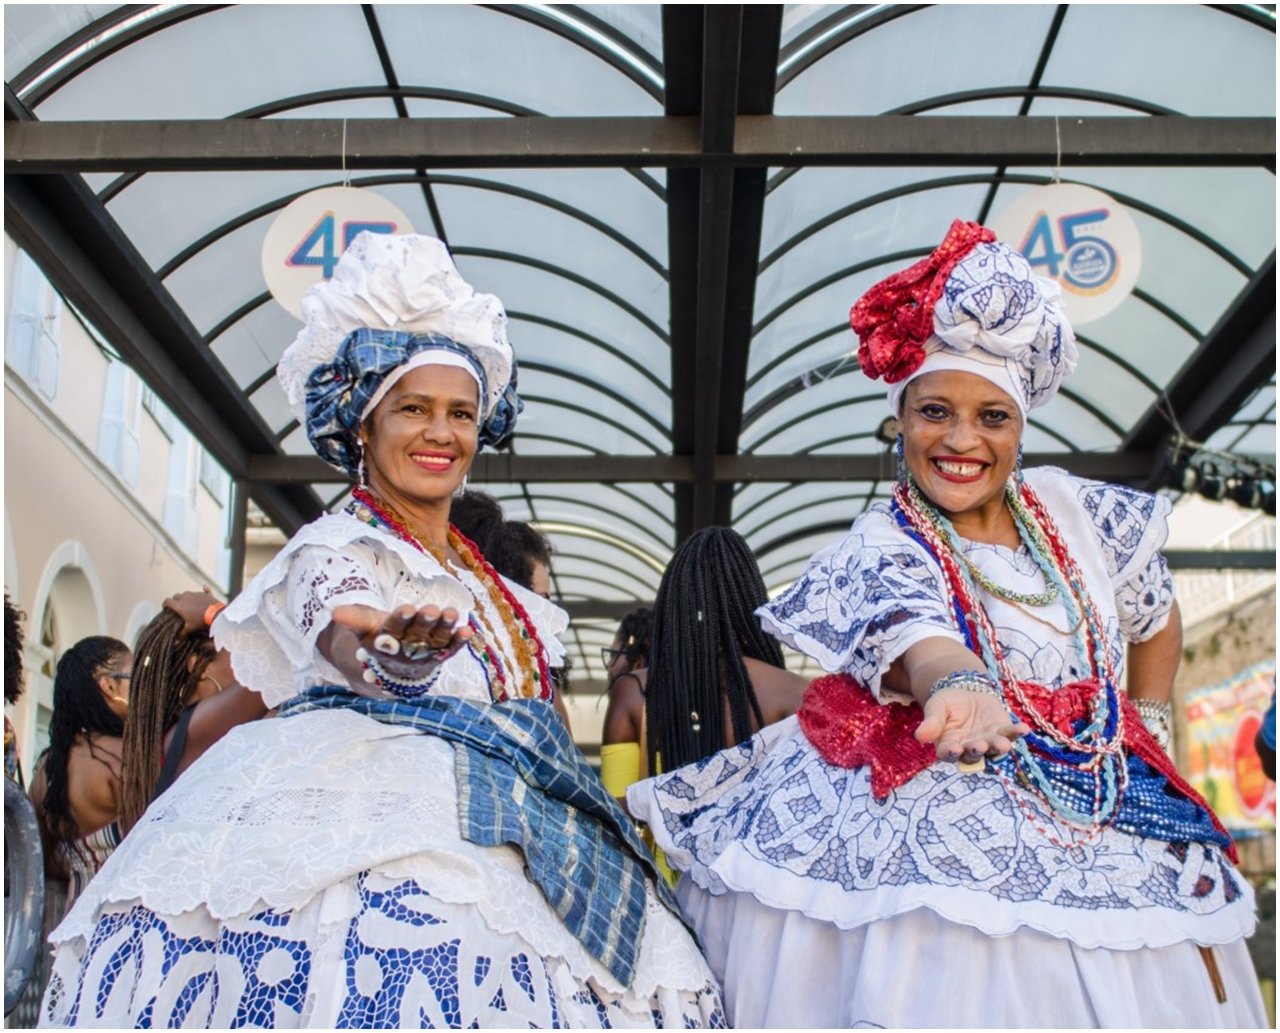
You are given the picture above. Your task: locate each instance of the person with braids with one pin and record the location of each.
(13, 682)
(629, 650)
(184, 699)
(413, 840)
(76, 786)
(972, 820)
(713, 678)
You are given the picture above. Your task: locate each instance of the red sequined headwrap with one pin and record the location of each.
(893, 319)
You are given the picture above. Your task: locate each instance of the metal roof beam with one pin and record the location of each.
(1178, 559)
(721, 72)
(682, 50)
(673, 141)
(84, 255)
(503, 467)
(1233, 358)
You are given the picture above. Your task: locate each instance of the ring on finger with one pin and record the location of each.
(387, 644)
(418, 650)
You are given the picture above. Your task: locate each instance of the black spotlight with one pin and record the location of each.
(1212, 484)
(1246, 492)
(1183, 474)
(1267, 503)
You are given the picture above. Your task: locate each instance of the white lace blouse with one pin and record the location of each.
(271, 628)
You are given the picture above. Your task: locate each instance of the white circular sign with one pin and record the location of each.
(307, 238)
(1080, 237)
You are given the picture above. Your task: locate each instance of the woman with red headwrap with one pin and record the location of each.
(972, 821)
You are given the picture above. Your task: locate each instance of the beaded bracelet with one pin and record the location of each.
(402, 688)
(969, 681)
(1157, 715)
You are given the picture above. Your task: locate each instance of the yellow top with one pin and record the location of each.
(620, 767)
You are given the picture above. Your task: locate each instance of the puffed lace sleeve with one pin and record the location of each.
(1131, 527)
(271, 628)
(864, 601)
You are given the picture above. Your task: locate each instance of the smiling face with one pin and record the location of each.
(960, 436)
(420, 440)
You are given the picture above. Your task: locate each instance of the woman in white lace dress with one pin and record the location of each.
(969, 823)
(414, 841)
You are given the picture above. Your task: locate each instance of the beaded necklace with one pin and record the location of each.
(531, 664)
(1095, 750)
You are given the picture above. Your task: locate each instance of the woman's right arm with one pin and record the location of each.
(959, 722)
(361, 639)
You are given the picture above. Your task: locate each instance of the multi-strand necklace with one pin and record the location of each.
(1094, 750)
(498, 605)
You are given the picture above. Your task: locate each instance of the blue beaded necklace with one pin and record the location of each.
(1047, 761)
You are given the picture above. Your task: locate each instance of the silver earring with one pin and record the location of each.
(900, 459)
(461, 487)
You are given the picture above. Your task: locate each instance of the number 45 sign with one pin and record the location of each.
(1080, 237)
(307, 238)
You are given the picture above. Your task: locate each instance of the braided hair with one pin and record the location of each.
(13, 618)
(79, 708)
(168, 665)
(635, 635)
(704, 624)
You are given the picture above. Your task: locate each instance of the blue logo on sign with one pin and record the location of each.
(1082, 261)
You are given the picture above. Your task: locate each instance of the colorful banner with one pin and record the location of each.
(1222, 761)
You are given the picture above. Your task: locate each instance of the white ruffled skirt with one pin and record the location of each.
(309, 872)
(938, 906)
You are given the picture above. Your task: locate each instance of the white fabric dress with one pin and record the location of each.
(942, 904)
(310, 871)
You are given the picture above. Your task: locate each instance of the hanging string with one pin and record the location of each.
(346, 176)
(1057, 166)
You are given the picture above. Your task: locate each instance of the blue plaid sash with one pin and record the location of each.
(522, 781)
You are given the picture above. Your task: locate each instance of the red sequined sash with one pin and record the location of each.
(851, 729)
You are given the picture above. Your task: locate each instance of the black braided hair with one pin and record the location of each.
(703, 625)
(635, 635)
(13, 618)
(478, 515)
(514, 550)
(168, 665)
(78, 707)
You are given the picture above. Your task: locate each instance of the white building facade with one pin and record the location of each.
(110, 505)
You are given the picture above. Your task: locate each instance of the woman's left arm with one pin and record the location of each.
(1154, 662)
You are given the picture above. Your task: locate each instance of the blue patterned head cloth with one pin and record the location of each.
(392, 302)
(996, 318)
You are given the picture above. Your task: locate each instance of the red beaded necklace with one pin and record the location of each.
(530, 654)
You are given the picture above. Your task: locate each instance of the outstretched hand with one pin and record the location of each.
(406, 641)
(968, 726)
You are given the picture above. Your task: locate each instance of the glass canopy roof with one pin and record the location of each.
(598, 260)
